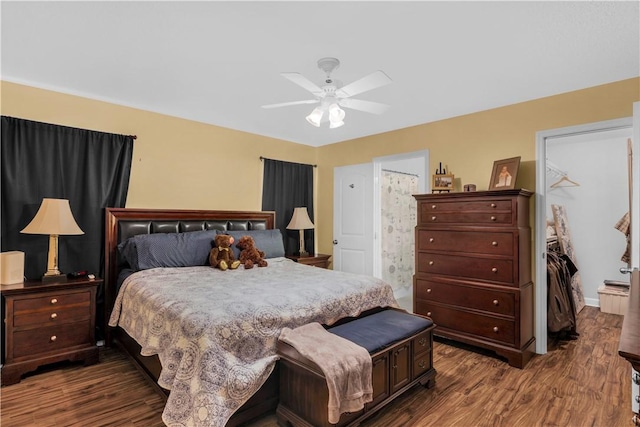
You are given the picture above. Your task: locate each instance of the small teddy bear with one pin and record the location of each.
(222, 256)
(249, 254)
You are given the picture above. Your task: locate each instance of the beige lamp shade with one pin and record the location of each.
(300, 221)
(53, 218)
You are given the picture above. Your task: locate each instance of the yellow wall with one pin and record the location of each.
(178, 163)
(470, 144)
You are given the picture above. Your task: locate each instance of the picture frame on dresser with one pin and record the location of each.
(504, 174)
(442, 182)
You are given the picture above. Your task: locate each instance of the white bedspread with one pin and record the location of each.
(215, 331)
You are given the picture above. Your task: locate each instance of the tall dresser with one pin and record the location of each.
(473, 269)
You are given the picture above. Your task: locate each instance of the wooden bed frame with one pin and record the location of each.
(122, 223)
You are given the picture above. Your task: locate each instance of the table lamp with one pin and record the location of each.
(55, 219)
(300, 221)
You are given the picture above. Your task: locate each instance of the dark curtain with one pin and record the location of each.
(89, 168)
(285, 186)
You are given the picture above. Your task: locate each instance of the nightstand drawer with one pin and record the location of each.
(51, 339)
(53, 316)
(57, 301)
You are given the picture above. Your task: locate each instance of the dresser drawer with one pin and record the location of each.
(465, 206)
(51, 339)
(478, 325)
(52, 300)
(499, 270)
(481, 242)
(480, 218)
(475, 298)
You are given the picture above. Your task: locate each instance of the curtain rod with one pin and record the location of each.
(266, 158)
(402, 173)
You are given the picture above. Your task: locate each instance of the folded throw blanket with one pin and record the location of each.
(345, 365)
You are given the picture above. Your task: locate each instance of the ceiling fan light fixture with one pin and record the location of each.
(315, 117)
(336, 116)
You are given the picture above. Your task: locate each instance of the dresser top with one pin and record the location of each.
(474, 194)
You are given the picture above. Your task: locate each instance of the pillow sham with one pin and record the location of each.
(268, 241)
(145, 251)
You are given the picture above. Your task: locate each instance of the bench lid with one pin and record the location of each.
(381, 329)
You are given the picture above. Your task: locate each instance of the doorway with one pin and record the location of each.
(576, 164)
(357, 216)
(397, 179)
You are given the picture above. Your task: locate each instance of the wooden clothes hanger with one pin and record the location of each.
(564, 178)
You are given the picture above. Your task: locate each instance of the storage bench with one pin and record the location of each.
(400, 345)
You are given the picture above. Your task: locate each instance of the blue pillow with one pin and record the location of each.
(268, 241)
(144, 251)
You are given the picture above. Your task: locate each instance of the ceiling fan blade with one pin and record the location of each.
(304, 82)
(285, 104)
(366, 106)
(372, 81)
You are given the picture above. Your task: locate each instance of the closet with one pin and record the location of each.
(586, 195)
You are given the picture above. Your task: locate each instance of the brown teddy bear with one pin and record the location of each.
(222, 256)
(249, 254)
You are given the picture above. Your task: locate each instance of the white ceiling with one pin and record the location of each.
(218, 62)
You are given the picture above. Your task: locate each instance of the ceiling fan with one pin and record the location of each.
(333, 95)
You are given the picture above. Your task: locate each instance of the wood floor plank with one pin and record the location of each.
(577, 383)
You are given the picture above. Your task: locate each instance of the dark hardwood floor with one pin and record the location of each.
(577, 383)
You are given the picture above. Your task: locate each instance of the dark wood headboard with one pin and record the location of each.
(122, 223)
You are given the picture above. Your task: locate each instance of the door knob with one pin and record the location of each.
(335, 242)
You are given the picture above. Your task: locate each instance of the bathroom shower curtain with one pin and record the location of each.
(398, 221)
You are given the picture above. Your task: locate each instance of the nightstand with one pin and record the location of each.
(317, 260)
(46, 323)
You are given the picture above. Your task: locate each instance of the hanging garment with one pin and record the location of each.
(561, 310)
(624, 226)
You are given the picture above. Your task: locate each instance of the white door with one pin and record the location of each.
(353, 218)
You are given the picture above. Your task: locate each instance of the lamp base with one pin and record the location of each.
(54, 278)
(303, 253)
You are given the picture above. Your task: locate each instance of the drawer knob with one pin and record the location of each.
(53, 338)
(428, 290)
(495, 302)
(54, 300)
(494, 243)
(422, 342)
(494, 269)
(638, 398)
(430, 262)
(54, 315)
(422, 364)
(431, 240)
(493, 218)
(495, 329)
(636, 378)
(433, 218)
(428, 314)
(433, 206)
(493, 205)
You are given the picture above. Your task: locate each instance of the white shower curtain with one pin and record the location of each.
(398, 227)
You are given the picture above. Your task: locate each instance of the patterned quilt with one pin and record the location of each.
(215, 331)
